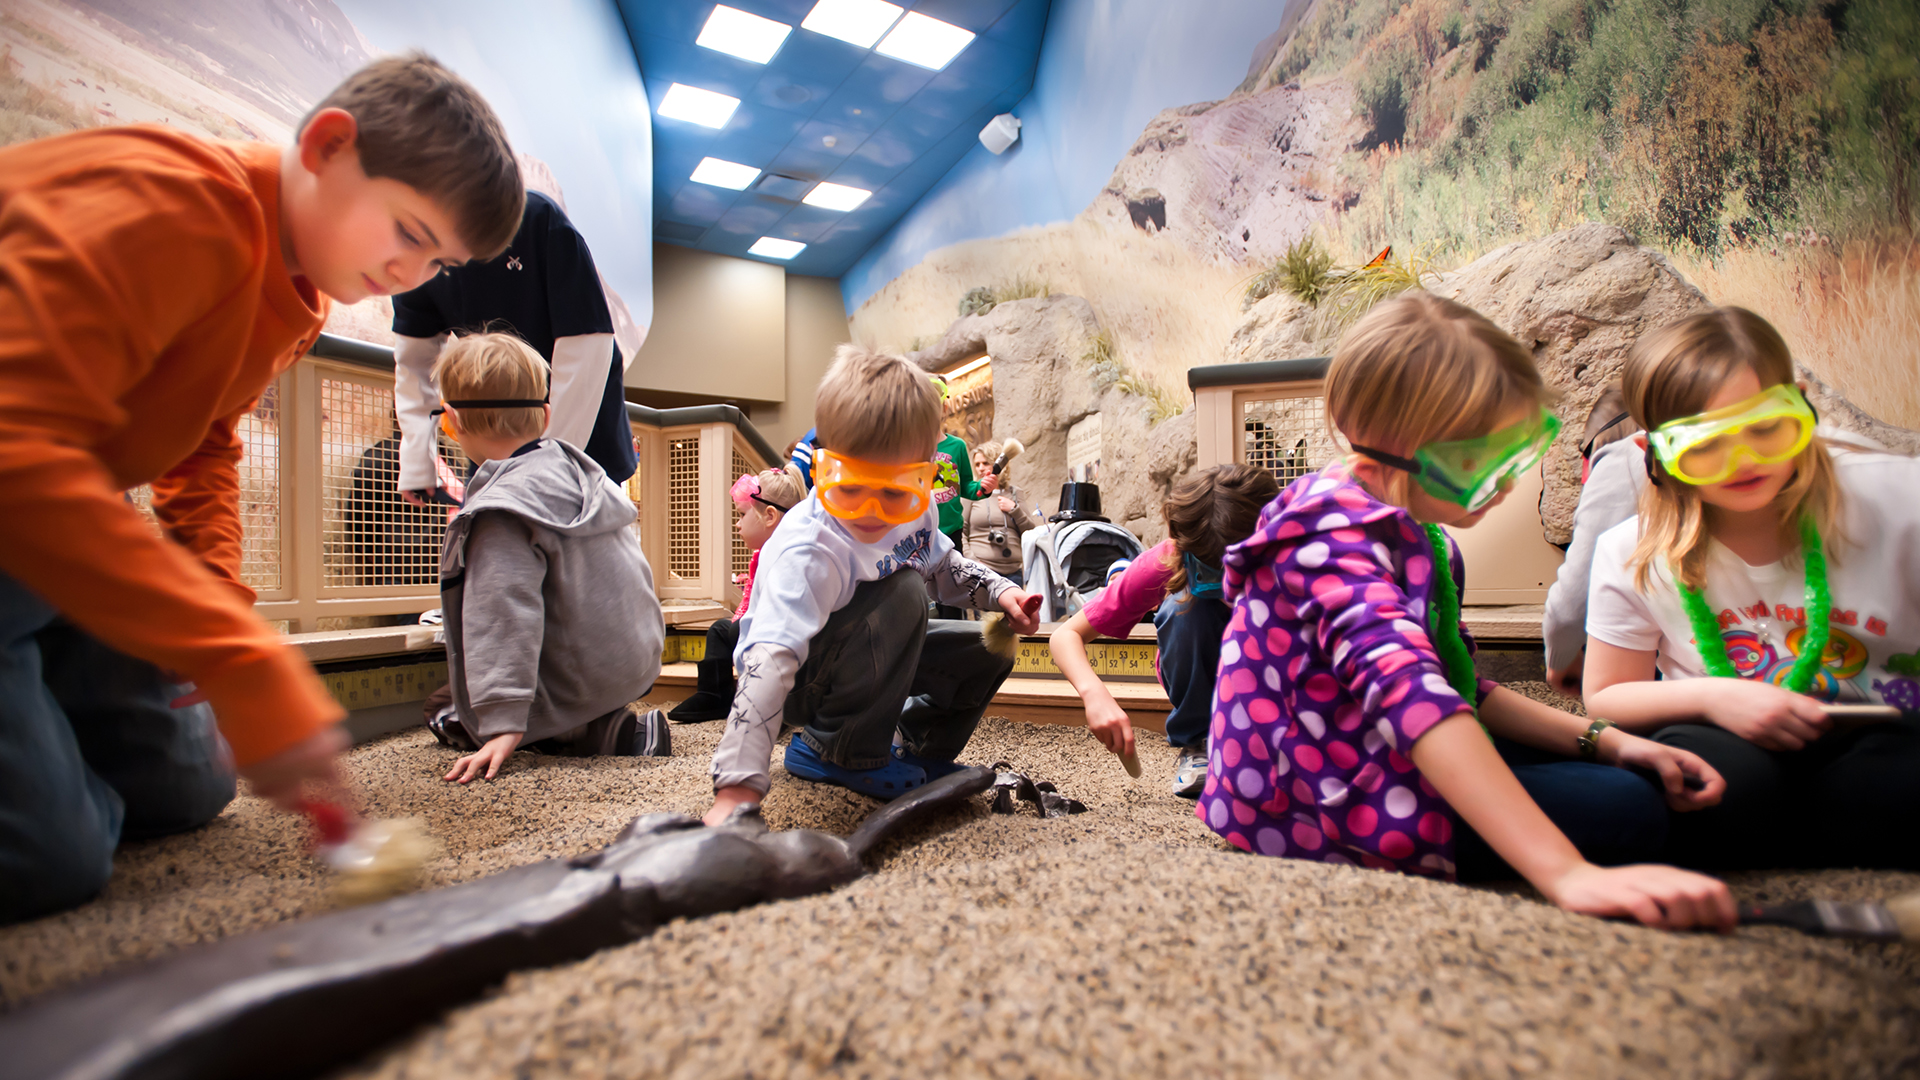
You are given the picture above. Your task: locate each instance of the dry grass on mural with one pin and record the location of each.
(1852, 315)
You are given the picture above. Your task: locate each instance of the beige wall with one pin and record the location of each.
(738, 331)
(719, 328)
(816, 325)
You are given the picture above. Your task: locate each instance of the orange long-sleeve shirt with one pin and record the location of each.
(144, 305)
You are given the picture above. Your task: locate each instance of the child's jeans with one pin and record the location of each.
(1613, 816)
(1852, 798)
(91, 753)
(1189, 633)
(880, 665)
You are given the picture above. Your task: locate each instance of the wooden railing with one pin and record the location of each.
(328, 543)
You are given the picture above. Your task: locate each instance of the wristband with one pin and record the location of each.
(1589, 743)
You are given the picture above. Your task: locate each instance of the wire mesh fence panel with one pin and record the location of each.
(741, 556)
(1287, 436)
(261, 566)
(370, 536)
(683, 507)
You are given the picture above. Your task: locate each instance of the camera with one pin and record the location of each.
(997, 537)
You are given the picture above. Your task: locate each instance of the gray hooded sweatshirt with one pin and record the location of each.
(551, 616)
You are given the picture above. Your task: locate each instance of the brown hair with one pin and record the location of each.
(1420, 369)
(484, 366)
(1206, 513)
(873, 405)
(422, 125)
(1608, 421)
(1672, 373)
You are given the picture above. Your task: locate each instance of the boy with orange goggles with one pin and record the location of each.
(836, 640)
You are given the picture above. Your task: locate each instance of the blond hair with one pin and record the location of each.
(1672, 373)
(483, 367)
(422, 125)
(783, 486)
(1421, 369)
(871, 405)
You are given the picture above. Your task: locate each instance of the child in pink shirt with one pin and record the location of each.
(1177, 581)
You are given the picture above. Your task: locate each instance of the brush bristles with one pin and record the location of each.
(390, 858)
(996, 631)
(1906, 914)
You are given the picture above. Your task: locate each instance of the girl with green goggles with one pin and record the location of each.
(1471, 472)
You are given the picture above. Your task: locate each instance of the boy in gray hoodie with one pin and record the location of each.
(552, 624)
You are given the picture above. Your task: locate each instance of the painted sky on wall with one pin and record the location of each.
(1106, 67)
(562, 76)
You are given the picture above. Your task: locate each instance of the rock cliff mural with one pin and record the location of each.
(1580, 170)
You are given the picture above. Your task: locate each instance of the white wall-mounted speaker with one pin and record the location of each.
(1000, 133)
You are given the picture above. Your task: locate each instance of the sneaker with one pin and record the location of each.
(1190, 772)
(888, 782)
(450, 732)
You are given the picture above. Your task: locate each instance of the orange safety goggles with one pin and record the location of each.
(851, 488)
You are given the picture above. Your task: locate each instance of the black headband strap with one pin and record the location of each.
(769, 502)
(498, 403)
(1384, 458)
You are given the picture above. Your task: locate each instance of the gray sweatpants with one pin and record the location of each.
(880, 665)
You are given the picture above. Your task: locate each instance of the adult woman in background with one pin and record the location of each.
(991, 533)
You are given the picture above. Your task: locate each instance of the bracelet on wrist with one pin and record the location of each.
(1589, 743)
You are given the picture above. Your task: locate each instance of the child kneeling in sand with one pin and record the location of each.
(1344, 713)
(836, 639)
(552, 624)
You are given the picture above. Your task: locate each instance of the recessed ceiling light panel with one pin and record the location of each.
(836, 196)
(774, 248)
(856, 22)
(925, 41)
(742, 34)
(697, 106)
(726, 174)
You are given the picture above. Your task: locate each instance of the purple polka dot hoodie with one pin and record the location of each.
(1327, 677)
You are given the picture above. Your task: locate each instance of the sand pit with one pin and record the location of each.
(1126, 941)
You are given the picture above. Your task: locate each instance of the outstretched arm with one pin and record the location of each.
(740, 764)
(1105, 718)
(579, 384)
(414, 399)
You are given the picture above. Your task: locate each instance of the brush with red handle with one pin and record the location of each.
(371, 860)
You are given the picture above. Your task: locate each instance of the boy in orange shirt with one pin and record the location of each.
(152, 284)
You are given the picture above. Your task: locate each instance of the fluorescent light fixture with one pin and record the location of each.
(924, 41)
(836, 196)
(776, 249)
(726, 174)
(697, 106)
(856, 22)
(969, 367)
(742, 34)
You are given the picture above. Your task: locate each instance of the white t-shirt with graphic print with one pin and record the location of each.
(1873, 651)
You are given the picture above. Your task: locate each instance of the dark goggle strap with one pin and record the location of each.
(1586, 449)
(492, 403)
(769, 502)
(1384, 458)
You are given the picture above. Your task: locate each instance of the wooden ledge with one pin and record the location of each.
(332, 646)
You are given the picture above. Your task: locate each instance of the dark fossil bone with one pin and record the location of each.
(298, 999)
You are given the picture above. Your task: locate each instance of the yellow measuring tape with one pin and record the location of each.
(1110, 659)
(385, 686)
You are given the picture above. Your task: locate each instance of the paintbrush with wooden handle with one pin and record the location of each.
(1896, 920)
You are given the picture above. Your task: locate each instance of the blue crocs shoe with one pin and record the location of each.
(888, 782)
(934, 769)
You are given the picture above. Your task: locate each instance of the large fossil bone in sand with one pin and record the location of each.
(298, 999)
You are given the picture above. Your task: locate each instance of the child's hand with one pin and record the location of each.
(1674, 765)
(1023, 610)
(726, 799)
(281, 778)
(1567, 680)
(1659, 896)
(489, 757)
(1768, 716)
(1109, 723)
(988, 484)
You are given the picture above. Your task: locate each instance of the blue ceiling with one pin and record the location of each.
(896, 128)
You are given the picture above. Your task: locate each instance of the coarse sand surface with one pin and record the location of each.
(1125, 941)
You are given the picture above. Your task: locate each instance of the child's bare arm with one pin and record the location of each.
(1105, 718)
(1620, 686)
(1462, 765)
(1689, 782)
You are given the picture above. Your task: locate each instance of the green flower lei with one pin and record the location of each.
(1443, 618)
(1813, 647)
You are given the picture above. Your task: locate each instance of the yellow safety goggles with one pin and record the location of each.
(851, 488)
(1706, 448)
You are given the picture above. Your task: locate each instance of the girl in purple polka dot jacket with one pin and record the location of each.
(1343, 726)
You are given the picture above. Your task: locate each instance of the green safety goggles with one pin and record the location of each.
(1471, 472)
(1706, 448)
